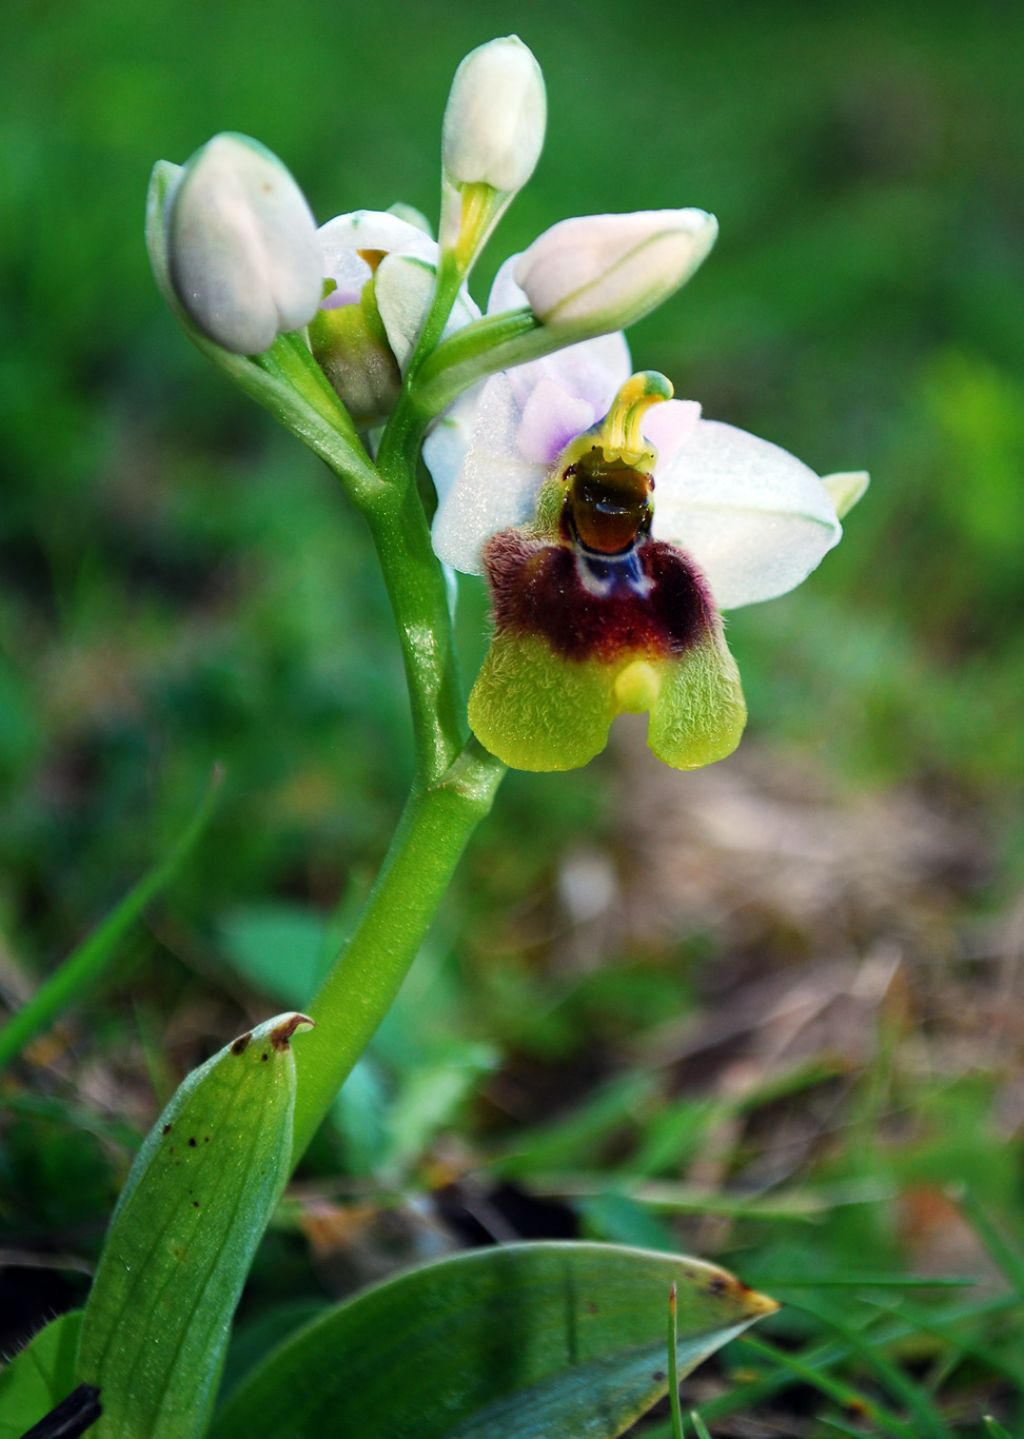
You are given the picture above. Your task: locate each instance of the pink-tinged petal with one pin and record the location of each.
(670, 425)
(592, 370)
(603, 272)
(755, 519)
(551, 418)
(495, 489)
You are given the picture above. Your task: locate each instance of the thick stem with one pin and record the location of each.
(368, 974)
(419, 600)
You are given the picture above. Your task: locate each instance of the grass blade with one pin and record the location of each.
(926, 1416)
(673, 1363)
(1009, 1259)
(806, 1369)
(993, 1427)
(86, 965)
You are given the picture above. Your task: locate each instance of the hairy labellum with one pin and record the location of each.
(650, 601)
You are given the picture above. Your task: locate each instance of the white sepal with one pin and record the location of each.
(755, 519)
(495, 488)
(846, 488)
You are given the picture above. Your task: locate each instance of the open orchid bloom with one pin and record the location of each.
(613, 524)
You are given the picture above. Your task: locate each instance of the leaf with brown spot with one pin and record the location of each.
(182, 1239)
(529, 1341)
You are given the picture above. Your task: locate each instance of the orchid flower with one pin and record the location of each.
(613, 524)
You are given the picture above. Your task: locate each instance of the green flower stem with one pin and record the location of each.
(450, 275)
(477, 350)
(455, 782)
(419, 601)
(364, 981)
(492, 343)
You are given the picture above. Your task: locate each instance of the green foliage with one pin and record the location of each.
(182, 1238)
(40, 1376)
(553, 1340)
(181, 585)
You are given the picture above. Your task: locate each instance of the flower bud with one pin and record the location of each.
(350, 344)
(600, 273)
(242, 246)
(494, 122)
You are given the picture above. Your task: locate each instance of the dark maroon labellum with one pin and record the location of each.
(647, 601)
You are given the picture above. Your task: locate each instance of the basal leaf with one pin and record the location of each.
(183, 1235)
(532, 1341)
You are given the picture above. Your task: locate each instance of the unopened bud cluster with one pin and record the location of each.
(246, 262)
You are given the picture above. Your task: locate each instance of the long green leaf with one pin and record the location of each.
(192, 1212)
(85, 966)
(532, 1341)
(39, 1376)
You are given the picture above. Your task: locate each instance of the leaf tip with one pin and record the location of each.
(280, 1036)
(750, 1302)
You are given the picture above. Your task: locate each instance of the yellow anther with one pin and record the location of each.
(620, 431)
(371, 258)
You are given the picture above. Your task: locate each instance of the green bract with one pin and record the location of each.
(183, 1235)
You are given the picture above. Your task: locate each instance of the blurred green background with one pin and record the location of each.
(180, 584)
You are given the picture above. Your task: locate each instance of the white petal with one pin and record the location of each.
(342, 238)
(495, 489)
(755, 520)
(403, 289)
(242, 245)
(506, 294)
(444, 450)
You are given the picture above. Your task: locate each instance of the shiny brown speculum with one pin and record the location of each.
(607, 503)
